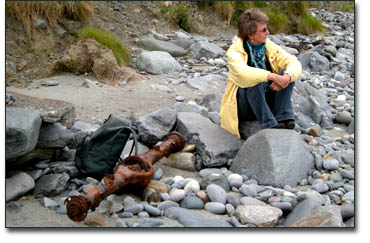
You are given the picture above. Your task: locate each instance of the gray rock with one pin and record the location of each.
(216, 193)
(348, 174)
(300, 211)
(311, 106)
(246, 190)
(212, 102)
(18, 185)
(181, 160)
(320, 186)
(167, 204)
(49, 203)
(348, 157)
(134, 208)
(261, 156)
(149, 222)
(177, 195)
(205, 49)
(185, 44)
(347, 211)
(51, 184)
(208, 171)
(343, 117)
(22, 128)
(202, 82)
(257, 215)
(351, 127)
(54, 135)
(157, 62)
(314, 62)
(152, 44)
(249, 201)
(324, 216)
(310, 194)
(214, 117)
(185, 107)
(217, 179)
(235, 180)
(285, 206)
(215, 207)
(156, 125)
(190, 218)
(214, 145)
(192, 202)
(330, 164)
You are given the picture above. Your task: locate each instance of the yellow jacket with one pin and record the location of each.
(244, 76)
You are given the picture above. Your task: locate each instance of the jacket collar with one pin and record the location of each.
(239, 45)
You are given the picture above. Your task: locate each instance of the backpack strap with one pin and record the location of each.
(135, 143)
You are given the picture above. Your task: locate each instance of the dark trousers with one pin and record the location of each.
(267, 108)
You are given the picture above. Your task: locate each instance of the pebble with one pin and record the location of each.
(215, 207)
(330, 164)
(216, 193)
(235, 180)
(167, 204)
(192, 202)
(152, 210)
(177, 195)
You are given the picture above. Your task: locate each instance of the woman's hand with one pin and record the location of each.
(279, 82)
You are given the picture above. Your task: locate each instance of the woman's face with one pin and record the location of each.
(261, 34)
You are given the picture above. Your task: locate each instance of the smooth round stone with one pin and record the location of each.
(180, 98)
(126, 215)
(143, 215)
(347, 211)
(336, 177)
(215, 207)
(348, 187)
(167, 204)
(205, 172)
(235, 180)
(343, 117)
(230, 209)
(177, 195)
(216, 193)
(129, 201)
(192, 203)
(320, 186)
(178, 178)
(152, 210)
(149, 222)
(192, 185)
(330, 164)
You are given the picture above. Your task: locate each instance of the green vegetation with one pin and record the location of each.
(27, 11)
(107, 39)
(285, 17)
(183, 13)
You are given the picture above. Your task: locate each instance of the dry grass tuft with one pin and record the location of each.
(27, 11)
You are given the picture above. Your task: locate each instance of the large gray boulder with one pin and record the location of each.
(21, 131)
(277, 157)
(156, 125)
(214, 145)
(157, 62)
(152, 44)
(314, 62)
(18, 185)
(205, 49)
(54, 135)
(311, 107)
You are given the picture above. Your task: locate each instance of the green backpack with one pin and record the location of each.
(98, 153)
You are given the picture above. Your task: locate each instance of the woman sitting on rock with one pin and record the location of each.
(261, 78)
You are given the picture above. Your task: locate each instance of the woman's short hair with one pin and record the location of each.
(248, 20)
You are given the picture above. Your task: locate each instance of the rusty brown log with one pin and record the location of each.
(134, 170)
